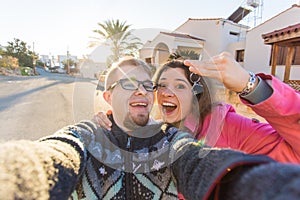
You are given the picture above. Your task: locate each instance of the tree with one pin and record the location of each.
(19, 50)
(120, 37)
(184, 54)
(1, 51)
(69, 62)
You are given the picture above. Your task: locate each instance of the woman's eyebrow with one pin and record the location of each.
(177, 79)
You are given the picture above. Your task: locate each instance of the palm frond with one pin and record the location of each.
(122, 41)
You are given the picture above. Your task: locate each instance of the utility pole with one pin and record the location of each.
(68, 63)
(33, 59)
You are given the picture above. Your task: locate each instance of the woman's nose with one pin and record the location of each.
(167, 92)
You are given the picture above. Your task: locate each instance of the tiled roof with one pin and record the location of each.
(205, 18)
(286, 30)
(181, 35)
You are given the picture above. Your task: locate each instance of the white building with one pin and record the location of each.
(258, 54)
(212, 36)
(62, 58)
(207, 37)
(45, 59)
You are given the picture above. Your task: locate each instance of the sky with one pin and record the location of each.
(54, 27)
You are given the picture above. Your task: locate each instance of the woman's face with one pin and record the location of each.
(174, 95)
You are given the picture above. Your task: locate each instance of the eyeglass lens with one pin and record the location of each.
(128, 84)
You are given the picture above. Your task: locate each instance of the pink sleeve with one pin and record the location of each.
(282, 111)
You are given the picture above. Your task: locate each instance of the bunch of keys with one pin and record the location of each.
(197, 86)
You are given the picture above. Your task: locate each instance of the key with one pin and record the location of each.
(197, 89)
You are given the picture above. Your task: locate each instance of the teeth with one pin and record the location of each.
(139, 104)
(169, 104)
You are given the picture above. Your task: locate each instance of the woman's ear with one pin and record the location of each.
(107, 97)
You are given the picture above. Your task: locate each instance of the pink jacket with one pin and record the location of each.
(279, 139)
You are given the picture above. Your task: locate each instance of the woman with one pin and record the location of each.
(218, 123)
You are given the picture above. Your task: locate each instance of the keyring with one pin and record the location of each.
(191, 78)
(197, 87)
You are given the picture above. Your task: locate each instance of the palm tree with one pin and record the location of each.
(184, 54)
(118, 35)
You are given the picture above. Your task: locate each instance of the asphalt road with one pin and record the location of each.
(33, 107)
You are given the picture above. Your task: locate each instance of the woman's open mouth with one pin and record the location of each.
(168, 108)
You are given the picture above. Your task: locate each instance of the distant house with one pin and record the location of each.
(95, 63)
(45, 59)
(62, 58)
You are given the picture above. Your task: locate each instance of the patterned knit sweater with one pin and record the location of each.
(83, 162)
(120, 166)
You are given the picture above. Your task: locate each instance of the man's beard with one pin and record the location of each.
(136, 122)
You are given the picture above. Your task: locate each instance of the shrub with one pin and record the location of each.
(26, 71)
(9, 62)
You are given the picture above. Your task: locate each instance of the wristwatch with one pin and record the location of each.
(250, 85)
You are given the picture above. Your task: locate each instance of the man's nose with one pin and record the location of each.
(141, 90)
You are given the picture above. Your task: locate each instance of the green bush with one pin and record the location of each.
(26, 71)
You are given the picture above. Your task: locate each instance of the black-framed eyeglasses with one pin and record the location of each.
(132, 84)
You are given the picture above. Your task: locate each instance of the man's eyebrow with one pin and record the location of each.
(134, 79)
(130, 78)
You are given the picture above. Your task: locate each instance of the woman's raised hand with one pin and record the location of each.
(222, 67)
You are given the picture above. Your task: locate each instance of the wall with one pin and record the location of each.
(215, 32)
(257, 54)
(236, 46)
(207, 30)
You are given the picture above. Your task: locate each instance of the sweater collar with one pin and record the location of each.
(143, 135)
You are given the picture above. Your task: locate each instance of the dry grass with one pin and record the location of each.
(233, 99)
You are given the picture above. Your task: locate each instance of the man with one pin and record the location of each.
(136, 159)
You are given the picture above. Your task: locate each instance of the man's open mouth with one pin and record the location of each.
(139, 104)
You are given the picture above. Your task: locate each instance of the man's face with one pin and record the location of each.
(131, 108)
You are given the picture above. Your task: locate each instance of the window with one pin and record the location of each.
(148, 60)
(240, 55)
(282, 54)
(234, 33)
(296, 58)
